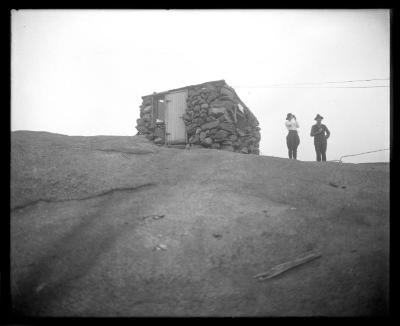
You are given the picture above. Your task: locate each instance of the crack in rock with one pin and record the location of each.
(105, 193)
(131, 151)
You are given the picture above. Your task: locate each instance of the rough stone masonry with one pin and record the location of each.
(215, 118)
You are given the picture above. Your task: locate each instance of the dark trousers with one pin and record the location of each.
(292, 142)
(320, 148)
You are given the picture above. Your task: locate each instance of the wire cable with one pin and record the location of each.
(376, 86)
(334, 82)
(379, 150)
(316, 83)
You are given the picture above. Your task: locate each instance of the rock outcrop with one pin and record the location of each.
(107, 226)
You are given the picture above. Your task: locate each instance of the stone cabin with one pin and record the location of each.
(207, 115)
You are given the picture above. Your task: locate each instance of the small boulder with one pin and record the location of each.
(198, 121)
(237, 144)
(223, 103)
(217, 111)
(257, 135)
(227, 92)
(149, 136)
(207, 141)
(147, 117)
(227, 126)
(186, 117)
(194, 139)
(221, 135)
(333, 184)
(222, 118)
(227, 148)
(233, 137)
(212, 96)
(191, 128)
(147, 109)
(210, 125)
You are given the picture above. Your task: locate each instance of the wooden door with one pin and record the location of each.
(174, 126)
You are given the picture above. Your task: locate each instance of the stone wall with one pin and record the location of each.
(152, 130)
(215, 118)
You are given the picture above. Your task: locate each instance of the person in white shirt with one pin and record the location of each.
(292, 139)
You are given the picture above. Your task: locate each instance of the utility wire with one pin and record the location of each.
(334, 82)
(317, 83)
(376, 86)
(379, 150)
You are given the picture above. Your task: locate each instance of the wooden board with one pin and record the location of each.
(279, 269)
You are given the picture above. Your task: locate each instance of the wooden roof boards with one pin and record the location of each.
(220, 82)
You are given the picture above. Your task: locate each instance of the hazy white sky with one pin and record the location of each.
(83, 72)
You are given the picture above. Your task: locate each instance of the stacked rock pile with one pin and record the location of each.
(216, 118)
(145, 125)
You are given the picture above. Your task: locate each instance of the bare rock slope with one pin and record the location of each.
(116, 226)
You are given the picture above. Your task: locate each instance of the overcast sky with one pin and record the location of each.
(83, 72)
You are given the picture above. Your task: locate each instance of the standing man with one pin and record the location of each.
(292, 138)
(320, 133)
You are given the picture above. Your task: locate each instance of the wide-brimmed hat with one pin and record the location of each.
(318, 117)
(288, 115)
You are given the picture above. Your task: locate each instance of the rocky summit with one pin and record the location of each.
(118, 226)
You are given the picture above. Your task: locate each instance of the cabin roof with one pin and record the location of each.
(218, 82)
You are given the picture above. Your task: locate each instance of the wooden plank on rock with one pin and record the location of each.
(279, 269)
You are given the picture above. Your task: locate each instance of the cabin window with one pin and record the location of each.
(239, 111)
(160, 109)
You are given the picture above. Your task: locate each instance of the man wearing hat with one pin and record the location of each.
(320, 133)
